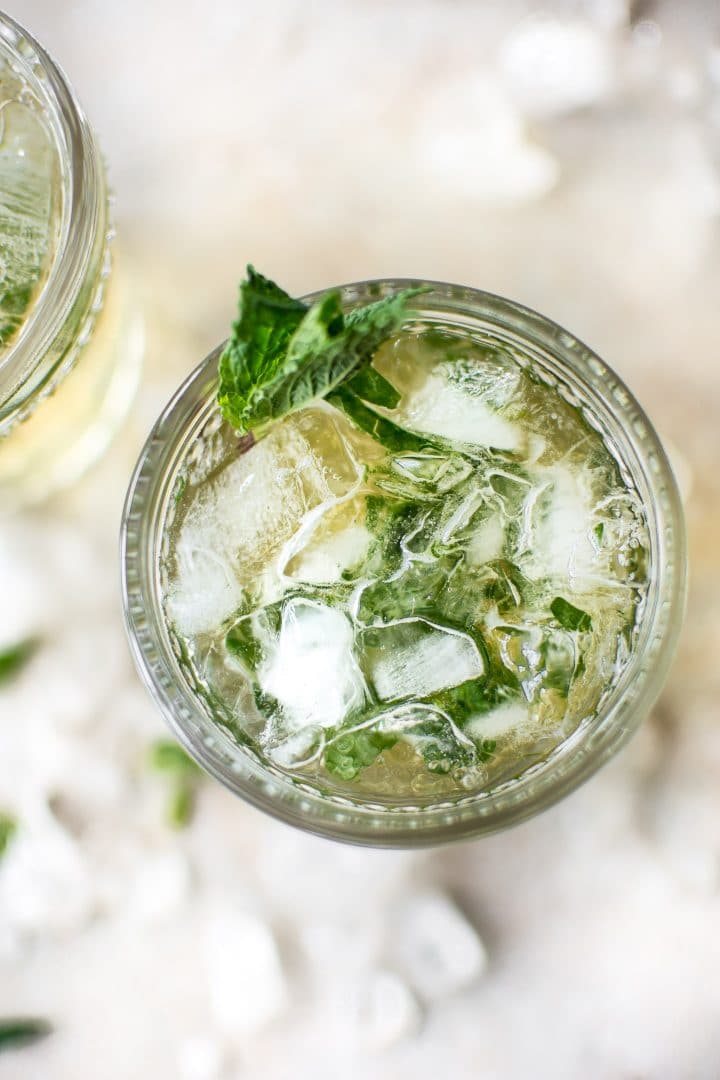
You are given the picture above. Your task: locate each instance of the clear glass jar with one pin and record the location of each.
(70, 369)
(585, 381)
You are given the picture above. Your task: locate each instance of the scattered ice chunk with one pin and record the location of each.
(246, 980)
(387, 1011)
(201, 1057)
(471, 141)
(443, 408)
(609, 14)
(554, 65)
(435, 946)
(504, 720)
(311, 670)
(160, 884)
(45, 883)
(413, 658)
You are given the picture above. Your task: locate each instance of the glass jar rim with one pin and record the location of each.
(83, 214)
(576, 758)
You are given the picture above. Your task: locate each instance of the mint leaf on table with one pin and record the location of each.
(282, 355)
(21, 1031)
(184, 774)
(8, 828)
(570, 617)
(14, 658)
(169, 757)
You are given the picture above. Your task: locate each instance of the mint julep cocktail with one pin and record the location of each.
(400, 564)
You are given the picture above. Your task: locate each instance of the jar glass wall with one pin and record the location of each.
(187, 428)
(70, 342)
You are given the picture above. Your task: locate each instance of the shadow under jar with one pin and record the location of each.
(405, 639)
(70, 341)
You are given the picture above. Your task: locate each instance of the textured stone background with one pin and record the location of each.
(570, 160)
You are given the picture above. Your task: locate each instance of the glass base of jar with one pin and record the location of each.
(74, 425)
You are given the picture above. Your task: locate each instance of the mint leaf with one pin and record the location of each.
(570, 617)
(169, 757)
(371, 386)
(8, 828)
(184, 774)
(14, 659)
(282, 355)
(181, 806)
(267, 319)
(21, 1030)
(396, 440)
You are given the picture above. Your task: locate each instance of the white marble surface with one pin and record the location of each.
(569, 161)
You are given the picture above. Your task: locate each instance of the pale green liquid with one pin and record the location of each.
(30, 200)
(360, 587)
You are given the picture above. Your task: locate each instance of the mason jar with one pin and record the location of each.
(188, 431)
(70, 340)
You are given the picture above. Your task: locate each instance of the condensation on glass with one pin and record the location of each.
(70, 342)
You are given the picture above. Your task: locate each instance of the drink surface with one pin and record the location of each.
(30, 200)
(418, 587)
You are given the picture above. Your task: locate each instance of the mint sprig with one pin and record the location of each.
(282, 354)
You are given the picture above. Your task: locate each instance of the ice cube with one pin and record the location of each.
(160, 884)
(557, 532)
(554, 65)
(413, 658)
(333, 539)
(201, 1057)
(387, 1011)
(504, 720)
(246, 981)
(311, 669)
(436, 947)
(441, 407)
(240, 521)
(45, 887)
(486, 542)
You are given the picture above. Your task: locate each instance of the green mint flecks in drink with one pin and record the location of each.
(416, 579)
(29, 202)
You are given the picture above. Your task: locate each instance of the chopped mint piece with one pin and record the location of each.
(282, 355)
(569, 616)
(14, 659)
(181, 806)
(169, 757)
(8, 828)
(598, 531)
(559, 661)
(21, 1031)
